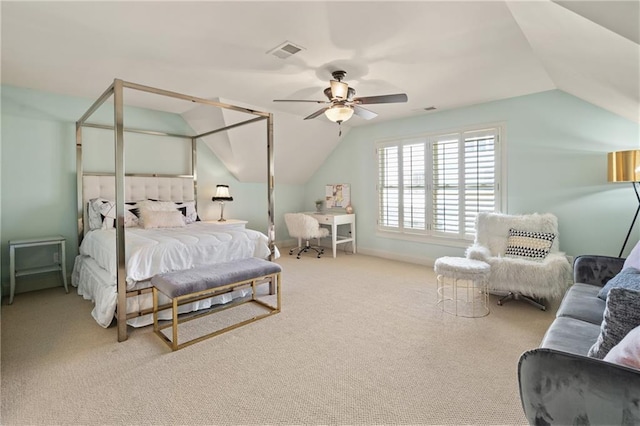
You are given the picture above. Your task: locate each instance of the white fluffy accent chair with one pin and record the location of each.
(304, 227)
(518, 278)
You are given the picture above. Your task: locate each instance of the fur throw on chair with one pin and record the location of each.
(546, 278)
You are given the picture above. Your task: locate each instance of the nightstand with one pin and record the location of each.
(228, 224)
(58, 265)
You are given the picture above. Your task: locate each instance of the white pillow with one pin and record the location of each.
(157, 206)
(627, 352)
(161, 219)
(633, 261)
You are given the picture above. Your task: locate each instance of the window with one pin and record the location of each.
(435, 185)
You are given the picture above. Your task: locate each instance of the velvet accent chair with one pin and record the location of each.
(517, 277)
(307, 228)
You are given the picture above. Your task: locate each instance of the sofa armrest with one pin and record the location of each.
(562, 388)
(596, 270)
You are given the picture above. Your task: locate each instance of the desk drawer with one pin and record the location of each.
(327, 220)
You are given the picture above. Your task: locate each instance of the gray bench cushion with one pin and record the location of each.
(582, 302)
(571, 335)
(179, 283)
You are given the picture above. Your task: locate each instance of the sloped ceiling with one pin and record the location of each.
(442, 54)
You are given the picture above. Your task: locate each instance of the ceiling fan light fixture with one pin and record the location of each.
(339, 90)
(339, 113)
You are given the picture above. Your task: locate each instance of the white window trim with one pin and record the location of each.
(427, 236)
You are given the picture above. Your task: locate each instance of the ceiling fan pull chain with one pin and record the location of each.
(340, 129)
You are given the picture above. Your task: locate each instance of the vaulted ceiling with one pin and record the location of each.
(441, 54)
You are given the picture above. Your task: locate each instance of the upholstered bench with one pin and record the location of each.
(212, 280)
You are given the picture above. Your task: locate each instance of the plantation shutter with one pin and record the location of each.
(480, 185)
(446, 184)
(388, 186)
(413, 186)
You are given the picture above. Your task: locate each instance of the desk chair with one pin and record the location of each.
(304, 227)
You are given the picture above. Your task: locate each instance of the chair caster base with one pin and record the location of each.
(517, 296)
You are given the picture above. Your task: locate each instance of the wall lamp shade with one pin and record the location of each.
(339, 113)
(222, 195)
(624, 166)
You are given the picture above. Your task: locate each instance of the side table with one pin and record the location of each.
(60, 265)
(473, 300)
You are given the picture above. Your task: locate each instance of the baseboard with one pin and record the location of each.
(419, 260)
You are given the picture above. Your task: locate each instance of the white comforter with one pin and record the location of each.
(152, 251)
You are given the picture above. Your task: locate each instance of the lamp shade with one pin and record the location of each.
(624, 166)
(222, 193)
(339, 113)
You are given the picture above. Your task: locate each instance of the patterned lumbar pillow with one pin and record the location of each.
(529, 245)
(621, 315)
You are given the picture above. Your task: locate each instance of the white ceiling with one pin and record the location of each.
(442, 54)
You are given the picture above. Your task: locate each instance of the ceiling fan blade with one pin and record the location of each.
(382, 99)
(363, 112)
(300, 100)
(316, 114)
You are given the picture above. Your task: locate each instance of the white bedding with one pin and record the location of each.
(152, 251)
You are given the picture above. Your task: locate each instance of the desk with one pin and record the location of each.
(333, 220)
(59, 265)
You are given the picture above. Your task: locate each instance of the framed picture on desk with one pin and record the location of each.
(337, 195)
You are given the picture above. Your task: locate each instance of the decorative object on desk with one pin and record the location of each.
(222, 195)
(338, 195)
(624, 166)
(319, 204)
(349, 209)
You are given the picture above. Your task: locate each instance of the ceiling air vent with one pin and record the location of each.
(285, 50)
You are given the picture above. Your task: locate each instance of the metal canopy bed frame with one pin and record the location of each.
(117, 91)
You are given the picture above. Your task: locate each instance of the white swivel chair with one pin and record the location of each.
(304, 227)
(517, 277)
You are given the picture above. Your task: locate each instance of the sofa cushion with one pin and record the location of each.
(627, 278)
(581, 302)
(570, 335)
(621, 315)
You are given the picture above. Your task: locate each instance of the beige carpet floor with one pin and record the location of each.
(360, 340)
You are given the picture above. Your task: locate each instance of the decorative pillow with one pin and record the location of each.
(621, 315)
(102, 214)
(633, 260)
(627, 352)
(188, 209)
(529, 245)
(157, 206)
(161, 219)
(93, 212)
(627, 278)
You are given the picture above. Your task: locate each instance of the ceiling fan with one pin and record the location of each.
(342, 104)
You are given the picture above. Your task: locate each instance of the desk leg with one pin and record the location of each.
(334, 237)
(12, 273)
(353, 235)
(63, 265)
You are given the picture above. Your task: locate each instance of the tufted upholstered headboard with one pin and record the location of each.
(136, 188)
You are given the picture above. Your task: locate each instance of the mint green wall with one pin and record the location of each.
(557, 150)
(38, 171)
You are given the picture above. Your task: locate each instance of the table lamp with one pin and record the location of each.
(624, 166)
(222, 195)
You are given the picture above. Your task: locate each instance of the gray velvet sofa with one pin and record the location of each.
(559, 384)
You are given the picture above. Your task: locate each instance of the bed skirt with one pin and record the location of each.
(95, 284)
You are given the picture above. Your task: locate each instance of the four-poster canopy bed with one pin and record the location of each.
(119, 276)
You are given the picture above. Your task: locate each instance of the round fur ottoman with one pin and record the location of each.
(469, 298)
